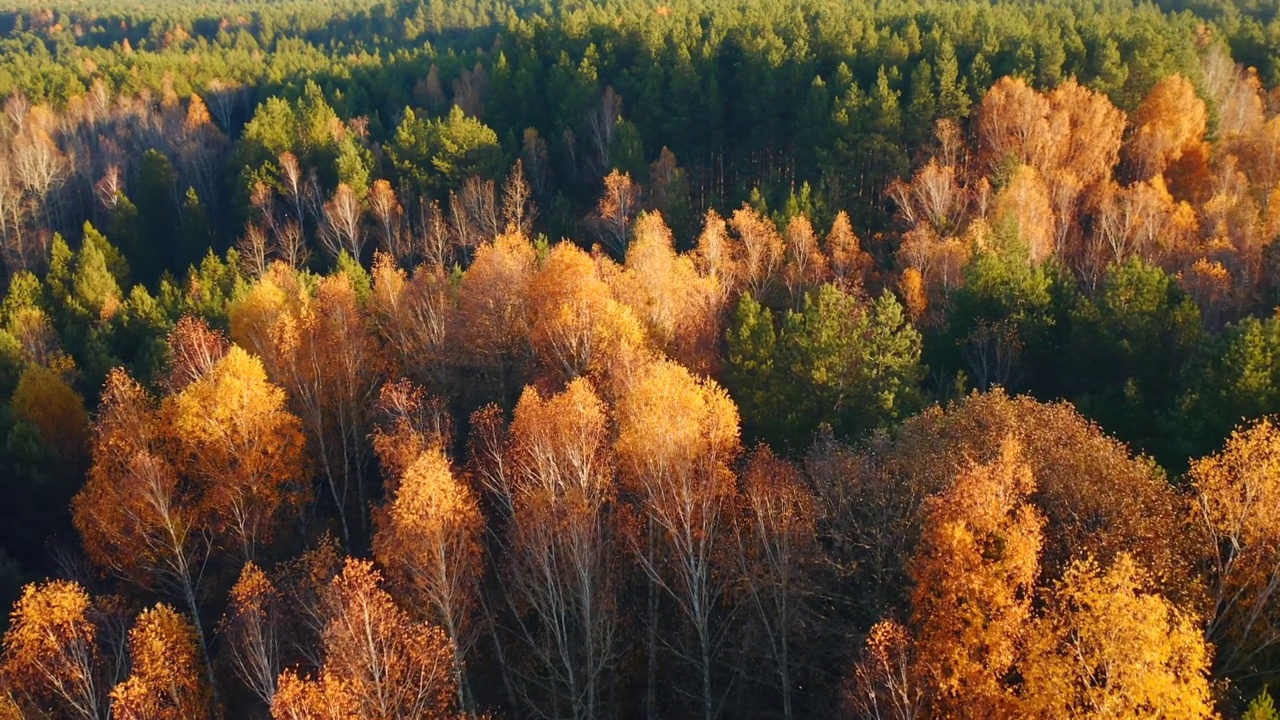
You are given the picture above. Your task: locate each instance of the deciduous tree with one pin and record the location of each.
(1107, 646)
(1239, 520)
(51, 659)
(166, 682)
(975, 571)
(378, 662)
(235, 437)
(428, 538)
(679, 471)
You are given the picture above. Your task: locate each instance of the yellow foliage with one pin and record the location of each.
(1239, 519)
(1105, 647)
(233, 430)
(429, 540)
(167, 679)
(576, 326)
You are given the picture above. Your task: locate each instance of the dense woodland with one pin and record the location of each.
(498, 358)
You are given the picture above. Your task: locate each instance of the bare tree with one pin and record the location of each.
(518, 208)
(341, 229)
(602, 123)
(294, 184)
(110, 187)
(254, 250)
(433, 234)
(225, 100)
(470, 90)
(616, 210)
(479, 200)
(386, 211)
(290, 245)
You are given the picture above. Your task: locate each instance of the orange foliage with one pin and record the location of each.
(677, 438)
(974, 572)
(1170, 122)
(850, 264)
(553, 478)
(805, 267)
(762, 251)
(678, 306)
(252, 627)
(166, 683)
(194, 349)
(428, 538)
(1239, 521)
(493, 317)
(379, 664)
(1024, 202)
(50, 654)
(576, 327)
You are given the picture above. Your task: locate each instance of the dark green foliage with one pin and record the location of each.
(1004, 324)
(1129, 349)
(157, 198)
(844, 362)
(435, 156)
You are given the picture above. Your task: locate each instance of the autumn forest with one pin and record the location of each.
(400, 359)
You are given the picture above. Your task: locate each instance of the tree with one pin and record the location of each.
(850, 264)
(1024, 202)
(166, 682)
(1170, 121)
(777, 539)
(1138, 332)
(1239, 524)
(1104, 646)
(1099, 498)
(389, 216)
(341, 231)
(555, 484)
(805, 267)
(518, 207)
(493, 316)
(414, 317)
(762, 251)
(884, 685)
(252, 627)
(44, 399)
(616, 210)
(975, 571)
(235, 436)
(51, 656)
(1262, 707)
(839, 361)
(158, 221)
(135, 515)
(300, 698)
(576, 326)
(322, 350)
(439, 154)
(194, 349)
(677, 440)
(676, 304)
(428, 538)
(378, 662)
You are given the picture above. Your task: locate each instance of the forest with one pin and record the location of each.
(399, 359)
